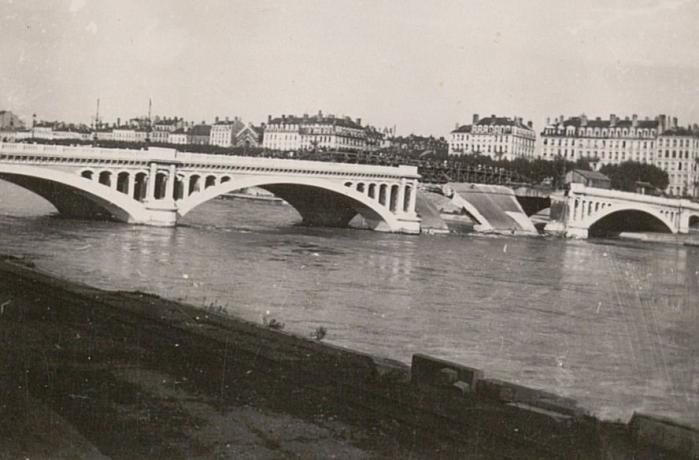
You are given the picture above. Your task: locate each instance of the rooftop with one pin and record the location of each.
(493, 121)
(594, 175)
(319, 119)
(463, 129)
(598, 122)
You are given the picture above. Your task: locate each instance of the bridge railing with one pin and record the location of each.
(203, 160)
(73, 151)
(631, 196)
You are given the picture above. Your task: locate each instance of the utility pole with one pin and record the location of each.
(150, 123)
(97, 115)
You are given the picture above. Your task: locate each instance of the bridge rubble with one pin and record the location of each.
(480, 207)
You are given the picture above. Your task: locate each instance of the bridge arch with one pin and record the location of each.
(330, 203)
(637, 217)
(74, 195)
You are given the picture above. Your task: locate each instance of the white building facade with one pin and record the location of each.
(223, 133)
(659, 141)
(501, 138)
(316, 132)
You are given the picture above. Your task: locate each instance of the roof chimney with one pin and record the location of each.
(612, 120)
(634, 120)
(583, 120)
(530, 124)
(269, 118)
(662, 120)
(475, 118)
(548, 121)
(216, 119)
(359, 121)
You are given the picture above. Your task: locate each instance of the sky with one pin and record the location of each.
(421, 66)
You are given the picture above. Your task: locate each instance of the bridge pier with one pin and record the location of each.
(161, 213)
(409, 224)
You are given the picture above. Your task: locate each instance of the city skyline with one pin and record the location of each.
(422, 67)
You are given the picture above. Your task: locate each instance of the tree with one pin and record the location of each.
(625, 175)
(584, 163)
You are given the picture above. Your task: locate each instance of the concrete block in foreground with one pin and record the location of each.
(668, 435)
(438, 372)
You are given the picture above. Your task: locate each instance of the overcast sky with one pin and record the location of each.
(420, 65)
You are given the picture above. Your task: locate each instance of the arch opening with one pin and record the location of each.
(210, 181)
(105, 178)
(160, 183)
(320, 203)
(694, 223)
(178, 192)
(393, 198)
(628, 220)
(319, 207)
(140, 186)
(372, 191)
(194, 185)
(382, 194)
(70, 201)
(86, 174)
(406, 198)
(123, 182)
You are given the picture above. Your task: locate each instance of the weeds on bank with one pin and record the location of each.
(319, 333)
(216, 308)
(270, 322)
(267, 320)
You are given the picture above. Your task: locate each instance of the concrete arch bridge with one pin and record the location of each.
(588, 211)
(158, 186)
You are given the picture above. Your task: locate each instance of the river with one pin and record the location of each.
(612, 324)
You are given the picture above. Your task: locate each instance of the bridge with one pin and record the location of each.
(158, 186)
(587, 211)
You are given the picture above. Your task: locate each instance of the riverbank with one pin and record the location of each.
(130, 375)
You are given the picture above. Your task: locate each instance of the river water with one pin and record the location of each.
(614, 325)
